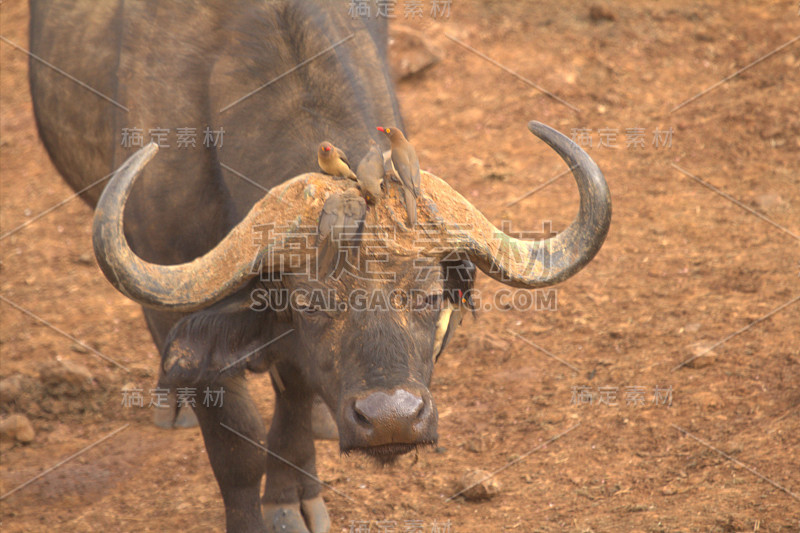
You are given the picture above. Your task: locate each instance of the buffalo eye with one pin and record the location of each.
(303, 304)
(310, 305)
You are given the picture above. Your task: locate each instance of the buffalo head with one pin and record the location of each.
(363, 335)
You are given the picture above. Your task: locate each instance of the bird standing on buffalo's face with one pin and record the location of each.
(456, 299)
(404, 159)
(370, 173)
(340, 224)
(333, 161)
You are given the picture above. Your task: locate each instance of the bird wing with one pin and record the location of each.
(327, 247)
(371, 164)
(441, 329)
(413, 161)
(340, 154)
(405, 171)
(352, 225)
(355, 209)
(328, 217)
(340, 223)
(407, 165)
(449, 320)
(370, 172)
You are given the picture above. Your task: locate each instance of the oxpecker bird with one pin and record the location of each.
(340, 225)
(370, 174)
(406, 164)
(456, 299)
(333, 161)
(449, 320)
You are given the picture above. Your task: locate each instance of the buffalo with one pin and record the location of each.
(219, 242)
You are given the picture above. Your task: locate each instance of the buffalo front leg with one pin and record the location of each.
(172, 415)
(292, 500)
(236, 444)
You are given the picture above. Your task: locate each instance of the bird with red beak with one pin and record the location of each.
(333, 161)
(406, 164)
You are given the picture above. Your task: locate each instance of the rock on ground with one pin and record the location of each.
(66, 378)
(16, 427)
(478, 485)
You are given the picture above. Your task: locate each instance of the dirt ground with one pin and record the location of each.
(712, 446)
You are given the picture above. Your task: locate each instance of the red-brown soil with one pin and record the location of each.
(683, 268)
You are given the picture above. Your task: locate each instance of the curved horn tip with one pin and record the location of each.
(138, 160)
(539, 129)
(149, 150)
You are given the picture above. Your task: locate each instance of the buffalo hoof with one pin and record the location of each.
(316, 515)
(185, 419)
(309, 516)
(164, 417)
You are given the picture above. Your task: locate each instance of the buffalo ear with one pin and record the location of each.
(459, 274)
(224, 338)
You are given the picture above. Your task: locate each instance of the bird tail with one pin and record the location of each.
(411, 206)
(327, 256)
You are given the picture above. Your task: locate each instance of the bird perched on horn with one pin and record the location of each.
(370, 173)
(406, 164)
(333, 161)
(340, 223)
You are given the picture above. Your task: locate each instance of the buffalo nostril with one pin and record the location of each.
(361, 417)
(393, 417)
(423, 410)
